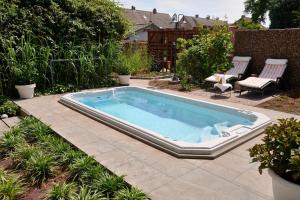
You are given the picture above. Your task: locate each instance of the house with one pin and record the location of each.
(190, 22)
(146, 20)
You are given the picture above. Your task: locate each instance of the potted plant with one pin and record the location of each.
(24, 78)
(123, 71)
(280, 153)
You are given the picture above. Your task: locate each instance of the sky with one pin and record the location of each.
(232, 9)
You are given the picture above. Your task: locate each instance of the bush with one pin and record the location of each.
(39, 168)
(87, 194)
(136, 60)
(206, 53)
(22, 153)
(109, 185)
(62, 191)
(10, 141)
(131, 194)
(81, 36)
(281, 150)
(11, 186)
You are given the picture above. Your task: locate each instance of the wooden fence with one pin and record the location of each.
(160, 42)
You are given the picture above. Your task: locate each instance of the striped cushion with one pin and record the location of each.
(239, 68)
(273, 71)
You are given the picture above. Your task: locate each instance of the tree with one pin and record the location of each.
(282, 13)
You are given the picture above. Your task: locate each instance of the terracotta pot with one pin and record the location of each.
(124, 79)
(283, 189)
(26, 91)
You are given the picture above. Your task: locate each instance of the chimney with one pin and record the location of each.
(243, 16)
(154, 11)
(197, 16)
(132, 7)
(208, 17)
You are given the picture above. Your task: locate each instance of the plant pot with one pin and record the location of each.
(124, 79)
(283, 189)
(26, 91)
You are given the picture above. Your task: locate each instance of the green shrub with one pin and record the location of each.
(87, 194)
(11, 186)
(39, 168)
(135, 60)
(62, 191)
(185, 80)
(8, 107)
(69, 157)
(10, 141)
(131, 194)
(206, 53)
(281, 150)
(81, 166)
(109, 185)
(22, 153)
(33, 130)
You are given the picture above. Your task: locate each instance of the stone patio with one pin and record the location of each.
(160, 175)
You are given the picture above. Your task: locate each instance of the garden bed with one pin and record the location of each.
(37, 164)
(165, 84)
(283, 104)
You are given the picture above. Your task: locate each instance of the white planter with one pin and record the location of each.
(124, 79)
(283, 189)
(26, 91)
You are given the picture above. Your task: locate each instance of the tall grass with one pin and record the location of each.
(23, 61)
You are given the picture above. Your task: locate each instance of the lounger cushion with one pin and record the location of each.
(255, 82)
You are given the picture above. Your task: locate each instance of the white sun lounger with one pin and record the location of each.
(272, 73)
(240, 65)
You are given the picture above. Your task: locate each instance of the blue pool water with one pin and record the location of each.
(170, 117)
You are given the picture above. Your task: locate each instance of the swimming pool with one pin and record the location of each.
(181, 126)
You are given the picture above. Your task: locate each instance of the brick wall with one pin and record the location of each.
(260, 45)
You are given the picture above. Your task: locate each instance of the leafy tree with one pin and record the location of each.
(282, 13)
(247, 24)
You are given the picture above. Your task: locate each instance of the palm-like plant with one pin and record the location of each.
(62, 191)
(10, 141)
(39, 168)
(87, 194)
(10, 186)
(109, 184)
(131, 194)
(23, 153)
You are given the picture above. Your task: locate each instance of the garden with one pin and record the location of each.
(37, 164)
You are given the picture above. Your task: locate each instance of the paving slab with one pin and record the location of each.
(3, 128)
(11, 121)
(160, 175)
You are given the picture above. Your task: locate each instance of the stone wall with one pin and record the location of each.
(260, 45)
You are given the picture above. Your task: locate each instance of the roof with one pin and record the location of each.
(194, 21)
(142, 19)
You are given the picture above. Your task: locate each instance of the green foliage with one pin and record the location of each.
(87, 194)
(33, 130)
(109, 184)
(8, 107)
(62, 191)
(131, 194)
(280, 150)
(83, 169)
(206, 53)
(185, 80)
(11, 186)
(39, 168)
(245, 24)
(10, 141)
(283, 14)
(22, 153)
(81, 36)
(134, 60)
(57, 89)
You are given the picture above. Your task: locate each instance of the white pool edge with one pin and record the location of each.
(210, 149)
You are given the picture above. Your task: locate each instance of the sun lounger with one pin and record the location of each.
(272, 73)
(239, 69)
